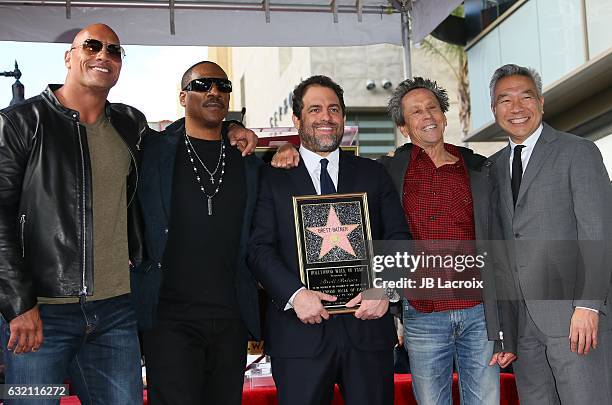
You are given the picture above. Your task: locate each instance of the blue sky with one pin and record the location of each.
(149, 78)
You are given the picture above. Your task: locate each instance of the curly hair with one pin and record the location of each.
(395, 103)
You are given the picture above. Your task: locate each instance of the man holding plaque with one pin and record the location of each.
(312, 349)
(445, 194)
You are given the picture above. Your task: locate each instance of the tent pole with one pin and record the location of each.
(405, 11)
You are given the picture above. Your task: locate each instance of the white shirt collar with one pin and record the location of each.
(312, 161)
(529, 145)
(531, 140)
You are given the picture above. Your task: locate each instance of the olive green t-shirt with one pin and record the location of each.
(110, 165)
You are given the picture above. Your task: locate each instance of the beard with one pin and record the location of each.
(321, 143)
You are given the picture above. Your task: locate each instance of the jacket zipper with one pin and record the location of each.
(83, 292)
(22, 221)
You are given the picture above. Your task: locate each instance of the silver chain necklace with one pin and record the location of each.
(220, 164)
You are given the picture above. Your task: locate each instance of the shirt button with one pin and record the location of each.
(166, 230)
(159, 265)
(432, 218)
(517, 235)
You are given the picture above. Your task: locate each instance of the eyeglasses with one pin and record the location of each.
(204, 84)
(93, 46)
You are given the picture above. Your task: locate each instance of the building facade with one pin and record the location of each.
(264, 79)
(568, 41)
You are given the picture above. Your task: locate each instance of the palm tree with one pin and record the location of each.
(455, 57)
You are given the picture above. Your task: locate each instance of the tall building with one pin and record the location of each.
(264, 79)
(568, 41)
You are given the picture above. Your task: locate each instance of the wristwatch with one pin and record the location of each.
(392, 295)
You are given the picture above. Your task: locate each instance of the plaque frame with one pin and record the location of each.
(364, 243)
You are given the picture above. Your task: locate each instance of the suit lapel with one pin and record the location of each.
(346, 173)
(502, 170)
(301, 180)
(541, 151)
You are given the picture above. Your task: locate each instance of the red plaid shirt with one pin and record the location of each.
(438, 206)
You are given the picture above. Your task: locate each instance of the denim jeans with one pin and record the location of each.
(94, 344)
(434, 340)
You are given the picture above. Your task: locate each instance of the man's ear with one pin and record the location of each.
(296, 121)
(67, 59)
(404, 130)
(182, 96)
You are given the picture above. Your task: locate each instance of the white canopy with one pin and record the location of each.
(228, 22)
(224, 22)
(219, 23)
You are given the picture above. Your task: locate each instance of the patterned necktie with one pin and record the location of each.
(327, 185)
(517, 172)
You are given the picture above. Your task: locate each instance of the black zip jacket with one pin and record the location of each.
(498, 313)
(46, 235)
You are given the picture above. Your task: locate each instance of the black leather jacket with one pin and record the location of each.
(46, 239)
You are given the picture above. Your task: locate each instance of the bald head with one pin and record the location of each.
(92, 69)
(97, 31)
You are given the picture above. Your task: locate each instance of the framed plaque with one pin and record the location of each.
(334, 245)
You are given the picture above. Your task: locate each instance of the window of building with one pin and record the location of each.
(376, 132)
(479, 14)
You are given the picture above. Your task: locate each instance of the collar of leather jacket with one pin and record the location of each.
(49, 96)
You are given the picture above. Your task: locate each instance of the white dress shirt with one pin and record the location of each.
(312, 161)
(528, 144)
(313, 165)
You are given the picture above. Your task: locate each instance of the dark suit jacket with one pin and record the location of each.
(273, 254)
(559, 232)
(154, 195)
(499, 316)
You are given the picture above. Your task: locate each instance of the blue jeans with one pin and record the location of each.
(434, 340)
(94, 344)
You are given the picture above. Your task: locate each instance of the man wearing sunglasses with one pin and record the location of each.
(197, 299)
(69, 167)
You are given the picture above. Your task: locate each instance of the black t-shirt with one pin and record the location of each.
(199, 263)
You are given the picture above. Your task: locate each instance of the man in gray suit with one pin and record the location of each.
(553, 206)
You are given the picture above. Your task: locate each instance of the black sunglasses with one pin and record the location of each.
(204, 84)
(94, 46)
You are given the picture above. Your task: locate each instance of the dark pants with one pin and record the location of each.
(95, 344)
(196, 362)
(364, 377)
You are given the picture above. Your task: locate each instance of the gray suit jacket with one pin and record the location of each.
(557, 237)
(497, 314)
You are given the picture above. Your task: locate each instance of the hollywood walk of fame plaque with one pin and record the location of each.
(334, 249)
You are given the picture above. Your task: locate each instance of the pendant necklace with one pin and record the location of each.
(191, 152)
